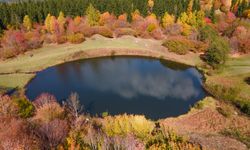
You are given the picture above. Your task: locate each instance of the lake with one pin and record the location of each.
(151, 87)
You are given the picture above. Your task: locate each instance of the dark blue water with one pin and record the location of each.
(156, 89)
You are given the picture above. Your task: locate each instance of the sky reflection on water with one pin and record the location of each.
(119, 85)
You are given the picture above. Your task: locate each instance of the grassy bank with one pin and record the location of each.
(22, 68)
(229, 84)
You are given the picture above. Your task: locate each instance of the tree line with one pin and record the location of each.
(13, 13)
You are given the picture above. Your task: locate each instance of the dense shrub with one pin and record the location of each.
(218, 48)
(217, 52)
(7, 106)
(177, 46)
(165, 138)
(14, 41)
(104, 31)
(76, 38)
(128, 124)
(49, 112)
(44, 98)
(157, 34)
(244, 45)
(53, 133)
(18, 134)
(240, 39)
(208, 33)
(107, 19)
(34, 39)
(183, 46)
(25, 107)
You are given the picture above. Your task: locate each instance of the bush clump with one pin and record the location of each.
(208, 33)
(76, 38)
(128, 124)
(25, 107)
(183, 46)
(217, 52)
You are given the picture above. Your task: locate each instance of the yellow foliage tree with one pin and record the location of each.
(47, 22)
(27, 23)
(150, 5)
(190, 6)
(194, 19)
(186, 29)
(167, 19)
(93, 15)
(61, 21)
(52, 24)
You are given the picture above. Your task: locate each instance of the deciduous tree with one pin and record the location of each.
(93, 15)
(27, 23)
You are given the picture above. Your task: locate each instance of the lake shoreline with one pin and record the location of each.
(80, 53)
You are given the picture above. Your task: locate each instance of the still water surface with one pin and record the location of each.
(156, 89)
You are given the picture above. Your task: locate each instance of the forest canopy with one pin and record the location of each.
(13, 13)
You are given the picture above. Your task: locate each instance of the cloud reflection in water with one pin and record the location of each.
(127, 78)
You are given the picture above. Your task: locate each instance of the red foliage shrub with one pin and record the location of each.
(207, 20)
(120, 24)
(230, 17)
(146, 26)
(60, 39)
(222, 26)
(54, 132)
(44, 98)
(17, 134)
(48, 112)
(72, 27)
(107, 19)
(15, 41)
(241, 40)
(157, 34)
(244, 45)
(49, 38)
(7, 106)
(104, 31)
(34, 39)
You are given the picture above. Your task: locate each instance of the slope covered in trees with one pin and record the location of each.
(37, 10)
